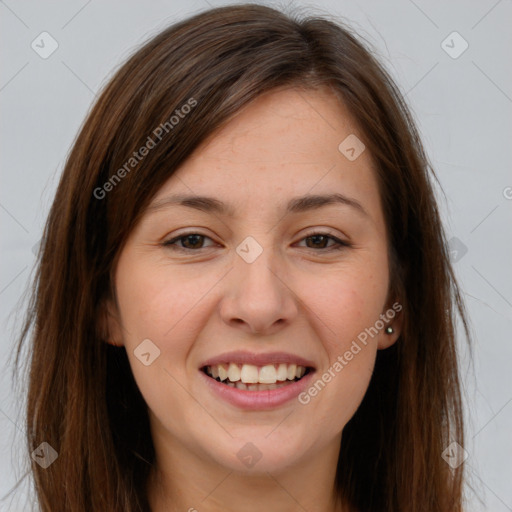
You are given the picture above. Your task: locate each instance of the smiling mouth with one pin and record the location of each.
(250, 377)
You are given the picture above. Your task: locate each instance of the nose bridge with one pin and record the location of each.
(254, 264)
(258, 296)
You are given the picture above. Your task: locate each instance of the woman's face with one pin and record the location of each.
(265, 274)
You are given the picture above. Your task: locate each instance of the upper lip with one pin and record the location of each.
(264, 358)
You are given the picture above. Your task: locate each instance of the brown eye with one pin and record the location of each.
(321, 240)
(188, 241)
(192, 241)
(318, 241)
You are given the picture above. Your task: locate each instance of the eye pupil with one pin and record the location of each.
(196, 238)
(316, 237)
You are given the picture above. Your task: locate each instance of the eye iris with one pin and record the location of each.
(316, 237)
(197, 240)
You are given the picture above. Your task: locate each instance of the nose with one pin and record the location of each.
(259, 297)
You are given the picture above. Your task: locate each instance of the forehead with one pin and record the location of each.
(284, 144)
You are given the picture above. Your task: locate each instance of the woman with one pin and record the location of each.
(244, 299)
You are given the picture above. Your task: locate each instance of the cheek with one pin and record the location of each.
(347, 301)
(155, 302)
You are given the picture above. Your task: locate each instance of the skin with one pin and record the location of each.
(297, 296)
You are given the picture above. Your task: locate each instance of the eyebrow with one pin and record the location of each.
(295, 205)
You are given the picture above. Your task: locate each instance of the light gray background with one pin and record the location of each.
(463, 108)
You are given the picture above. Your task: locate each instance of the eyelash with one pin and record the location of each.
(340, 244)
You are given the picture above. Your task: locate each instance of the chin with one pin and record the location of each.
(256, 452)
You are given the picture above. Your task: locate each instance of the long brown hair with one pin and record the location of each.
(82, 398)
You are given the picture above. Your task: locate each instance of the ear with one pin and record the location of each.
(109, 325)
(393, 317)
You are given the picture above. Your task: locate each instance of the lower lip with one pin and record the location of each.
(258, 400)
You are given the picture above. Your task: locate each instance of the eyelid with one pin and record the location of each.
(323, 231)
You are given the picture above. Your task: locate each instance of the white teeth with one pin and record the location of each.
(268, 374)
(223, 373)
(233, 372)
(282, 372)
(251, 375)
